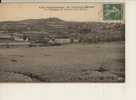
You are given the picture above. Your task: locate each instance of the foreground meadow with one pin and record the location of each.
(101, 62)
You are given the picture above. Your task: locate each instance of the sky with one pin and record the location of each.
(87, 12)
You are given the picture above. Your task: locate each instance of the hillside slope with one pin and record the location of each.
(60, 27)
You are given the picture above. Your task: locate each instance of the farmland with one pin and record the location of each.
(96, 62)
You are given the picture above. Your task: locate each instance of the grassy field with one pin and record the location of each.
(101, 62)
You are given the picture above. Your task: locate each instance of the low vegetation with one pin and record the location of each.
(101, 62)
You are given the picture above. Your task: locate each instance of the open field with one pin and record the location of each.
(101, 62)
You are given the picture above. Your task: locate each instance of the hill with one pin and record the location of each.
(66, 28)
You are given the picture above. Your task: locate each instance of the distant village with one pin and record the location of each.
(33, 38)
(53, 32)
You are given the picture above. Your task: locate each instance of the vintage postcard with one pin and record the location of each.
(62, 42)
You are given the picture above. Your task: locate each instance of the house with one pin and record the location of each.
(55, 39)
(62, 40)
(18, 39)
(5, 37)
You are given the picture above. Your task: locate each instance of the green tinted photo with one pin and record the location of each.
(112, 11)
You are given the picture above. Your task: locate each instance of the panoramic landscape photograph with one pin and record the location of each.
(80, 42)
